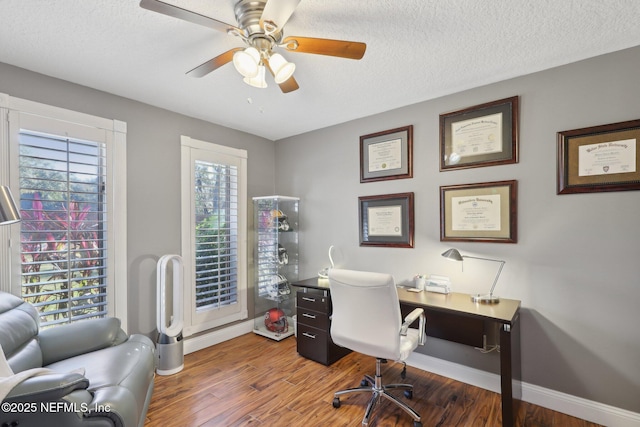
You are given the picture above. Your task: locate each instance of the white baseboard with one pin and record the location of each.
(589, 410)
(198, 342)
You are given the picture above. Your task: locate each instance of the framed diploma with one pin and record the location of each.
(599, 158)
(483, 135)
(386, 220)
(485, 212)
(387, 155)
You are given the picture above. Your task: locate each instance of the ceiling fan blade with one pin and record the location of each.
(213, 64)
(278, 12)
(186, 15)
(288, 85)
(340, 48)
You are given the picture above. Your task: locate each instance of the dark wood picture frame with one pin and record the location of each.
(387, 155)
(599, 158)
(482, 135)
(481, 212)
(387, 220)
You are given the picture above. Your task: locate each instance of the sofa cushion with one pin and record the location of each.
(18, 334)
(129, 365)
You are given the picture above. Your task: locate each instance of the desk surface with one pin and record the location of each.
(505, 311)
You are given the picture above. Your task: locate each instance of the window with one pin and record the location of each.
(63, 231)
(214, 234)
(63, 171)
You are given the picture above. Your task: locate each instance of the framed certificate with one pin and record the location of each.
(386, 220)
(484, 212)
(599, 158)
(483, 135)
(387, 155)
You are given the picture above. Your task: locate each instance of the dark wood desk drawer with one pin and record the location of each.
(317, 345)
(315, 302)
(313, 318)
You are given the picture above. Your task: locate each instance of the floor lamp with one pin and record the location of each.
(9, 212)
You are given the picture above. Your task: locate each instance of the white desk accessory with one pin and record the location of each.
(439, 284)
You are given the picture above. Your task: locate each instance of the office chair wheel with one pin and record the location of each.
(336, 402)
(364, 383)
(408, 394)
(417, 424)
(403, 374)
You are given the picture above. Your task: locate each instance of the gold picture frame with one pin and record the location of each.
(485, 212)
(599, 158)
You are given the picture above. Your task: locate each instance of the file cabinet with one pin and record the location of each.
(313, 309)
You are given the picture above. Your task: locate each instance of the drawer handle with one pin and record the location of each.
(308, 299)
(310, 316)
(308, 335)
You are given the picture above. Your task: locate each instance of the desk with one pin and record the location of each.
(454, 317)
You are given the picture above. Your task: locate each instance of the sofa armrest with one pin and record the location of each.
(47, 387)
(65, 341)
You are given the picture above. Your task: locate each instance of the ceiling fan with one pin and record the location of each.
(260, 24)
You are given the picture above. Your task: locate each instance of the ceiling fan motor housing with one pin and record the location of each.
(248, 14)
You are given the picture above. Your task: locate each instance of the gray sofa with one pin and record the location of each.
(102, 378)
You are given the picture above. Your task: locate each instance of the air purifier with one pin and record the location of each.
(169, 346)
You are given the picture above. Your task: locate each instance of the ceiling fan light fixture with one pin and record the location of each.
(247, 62)
(282, 69)
(259, 80)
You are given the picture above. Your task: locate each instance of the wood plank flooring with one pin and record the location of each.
(254, 381)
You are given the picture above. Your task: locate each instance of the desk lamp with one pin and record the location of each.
(489, 298)
(9, 212)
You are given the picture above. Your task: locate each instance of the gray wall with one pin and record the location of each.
(576, 264)
(575, 267)
(153, 172)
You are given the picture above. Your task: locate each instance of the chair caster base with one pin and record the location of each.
(336, 402)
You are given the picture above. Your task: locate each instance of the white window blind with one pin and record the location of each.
(67, 171)
(214, 234)
(216, 218)
(63, 230)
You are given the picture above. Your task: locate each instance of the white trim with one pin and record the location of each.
(192, 149)
(111, 132)
(216, 337)
(585, 409)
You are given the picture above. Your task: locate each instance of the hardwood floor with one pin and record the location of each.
(252, 380)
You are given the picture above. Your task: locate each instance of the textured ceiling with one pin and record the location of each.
(416, 50)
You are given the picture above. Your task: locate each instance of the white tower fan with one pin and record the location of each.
(169, 347)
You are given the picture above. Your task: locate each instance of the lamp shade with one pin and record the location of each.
(259, 80)
(452, 254)
(247, 61)
(9, 212)
(282, 69)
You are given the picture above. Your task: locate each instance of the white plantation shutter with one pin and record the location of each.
(67, 170)
(63, 229)
(214, 234)
(216, 250)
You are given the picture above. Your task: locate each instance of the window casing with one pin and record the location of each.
(214, 230)
(69, 252)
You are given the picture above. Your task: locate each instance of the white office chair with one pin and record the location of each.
(366, 318)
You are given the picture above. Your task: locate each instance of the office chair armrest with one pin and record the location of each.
(417, 313)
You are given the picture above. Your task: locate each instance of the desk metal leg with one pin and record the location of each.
(510, 381)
